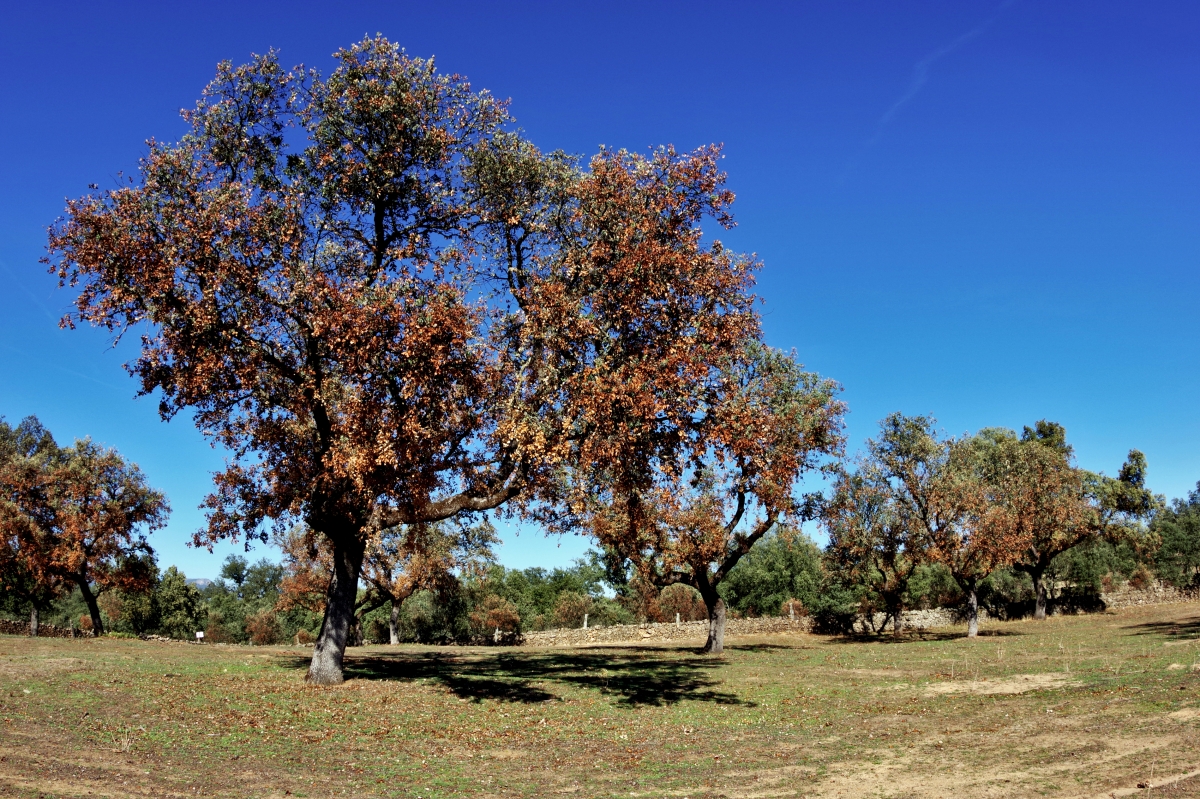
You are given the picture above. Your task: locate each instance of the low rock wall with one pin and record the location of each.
(10, 627)
(668, 631)
(697, 631)
(910, 620)
(1155, 594)
(919, 619)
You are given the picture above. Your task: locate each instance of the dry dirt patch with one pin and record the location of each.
(32, 668)
(1019, 684)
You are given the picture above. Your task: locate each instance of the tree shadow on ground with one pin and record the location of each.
(691, 649)
(633, 678)
(657, 649)
(762, 647)
(1183, 629)
(918, 636)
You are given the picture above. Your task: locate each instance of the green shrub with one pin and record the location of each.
(781, 566)
(179, 606)
(932, 586)
(606, 612)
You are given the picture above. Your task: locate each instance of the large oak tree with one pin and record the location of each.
(391, 309)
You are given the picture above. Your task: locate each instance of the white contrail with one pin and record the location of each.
(920, 77)
(921, 69)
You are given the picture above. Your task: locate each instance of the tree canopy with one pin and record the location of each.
(391, 308)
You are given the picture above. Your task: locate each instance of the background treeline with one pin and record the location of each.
(75, 554)
(785, 572)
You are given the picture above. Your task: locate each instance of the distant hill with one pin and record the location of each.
(200, 582)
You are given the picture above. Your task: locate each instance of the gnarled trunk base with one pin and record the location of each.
(394, 623)
(972, 613)
(1039, 591)
(339, 621)
(716, 627)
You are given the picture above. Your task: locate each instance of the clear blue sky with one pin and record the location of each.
(986, 211)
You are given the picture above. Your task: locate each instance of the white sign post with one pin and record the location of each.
(199, 636)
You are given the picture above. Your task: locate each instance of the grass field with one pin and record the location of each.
(1074, 706)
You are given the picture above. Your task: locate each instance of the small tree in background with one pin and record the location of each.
(398, 562)
(496, 618)
(763, 422)
(877, 539)
(405, 559)
(981, 489)
(942, 499)
(1058, 505)
(1057, 511)
(1177, 527)
(180, 614)
(570, 609)
(80, 515)
(20, 586)
(683, 601)
(263, 628)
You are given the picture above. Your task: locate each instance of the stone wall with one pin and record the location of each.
(10, 627)
(920, 619)
(692, 631)
(1154, 594)
(697, 631)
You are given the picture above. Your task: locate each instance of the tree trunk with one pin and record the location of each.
(92, 605)
(716, 626)
(394, 623)
(33, 621)
(897, 621)
(972, 612)
(336, 628)
(1039, 592)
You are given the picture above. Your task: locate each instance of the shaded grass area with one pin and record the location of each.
(1073, 706)
(631, 676)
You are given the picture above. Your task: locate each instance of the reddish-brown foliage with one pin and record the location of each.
(263, 628)
(79, 515)
(681, 600)
(793, 608)
(691, 494)
(497, 617)
(391, 311)
(570, 609)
